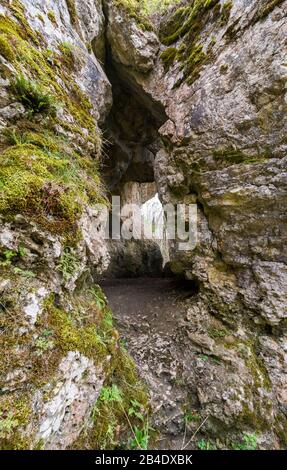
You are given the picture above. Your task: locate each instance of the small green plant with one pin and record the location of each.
(24, 273)
(67, 46)
(14, 137)
(21, 251)
(205, 445)
(108, 319)
(249, 442)
(111, 394)
(44, 342)
(204, 357)
(98, 297)
(33, 96)
(123, 344)
(142, 433)
(7, 424)
(136, 409)
(68, 264)
(110, 399)
(9, 255)
(190, 417)
(141, 437)
(213, 358)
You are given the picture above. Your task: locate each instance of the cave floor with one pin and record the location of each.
(150, 314)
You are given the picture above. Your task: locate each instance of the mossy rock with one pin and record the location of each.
(231, 156)
(6, 50)
(15, 412)
(184, 28)
(71, 4)
(38, 177)
(135, 9)
(265, 9)
(122, 406)
(41, 174)
(168, 56)
(186, 18)
(86, 327)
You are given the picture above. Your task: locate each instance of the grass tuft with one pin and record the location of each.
(33, 96)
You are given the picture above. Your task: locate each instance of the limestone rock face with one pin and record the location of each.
(221, 76)
(59, 25)
(70, 405)
(91, 19)
(130, 45)
(47, 354)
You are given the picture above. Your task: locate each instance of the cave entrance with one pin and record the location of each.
(131, 132)
(131, 144)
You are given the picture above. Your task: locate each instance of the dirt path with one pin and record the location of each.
(150, 317)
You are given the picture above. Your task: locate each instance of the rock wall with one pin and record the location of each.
(218, 68)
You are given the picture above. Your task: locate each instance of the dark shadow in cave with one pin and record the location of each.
(131, 131)
(131, 144)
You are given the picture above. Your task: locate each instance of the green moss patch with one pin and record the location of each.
(231, 156)
(137, 10)
(87, 328)
(15, 412)
(68, 54)
(267, 8)
(186, 25)
(19, 24)
(186, 19)
(72, 11)
(6, 49)
(168, 56)
(41, 174)
(52, 17)
(41, 177)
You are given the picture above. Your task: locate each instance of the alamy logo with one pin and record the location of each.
(151, 221)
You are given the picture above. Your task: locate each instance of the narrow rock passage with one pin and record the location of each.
(150, 317)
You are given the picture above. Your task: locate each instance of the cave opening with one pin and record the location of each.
(130, 131)
(131, 143)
